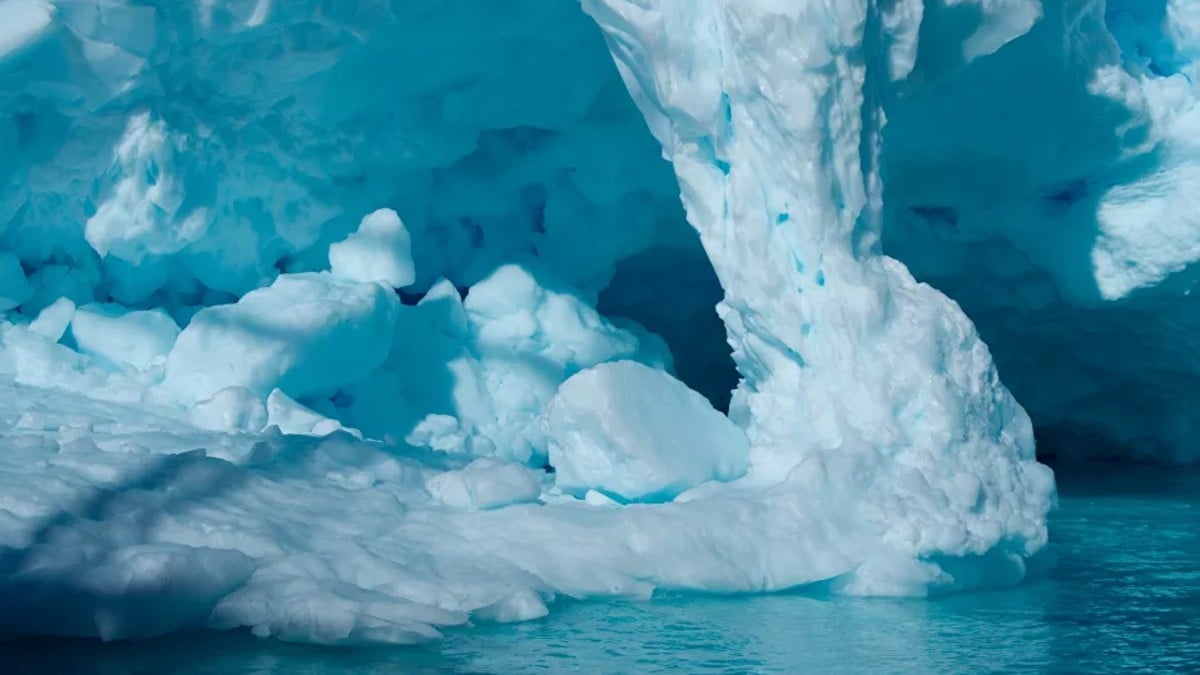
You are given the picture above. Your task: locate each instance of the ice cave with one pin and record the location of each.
(349, 321)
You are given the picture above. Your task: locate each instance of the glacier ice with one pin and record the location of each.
(485, 484)
(347, 322)
(14, 287)
(1057, 213)
(307, 334)
(52, 321)
(135, 339)
(235, 409)
(24, 21)
(636, 433)
(379, 250)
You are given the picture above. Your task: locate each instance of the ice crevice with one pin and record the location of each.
(351, 322)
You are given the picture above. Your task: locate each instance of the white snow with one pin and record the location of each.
(147, 212)
(380, 250)
(639, 434)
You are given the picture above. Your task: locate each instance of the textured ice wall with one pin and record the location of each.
(179, 156)
(1050, 189)
(212, 145)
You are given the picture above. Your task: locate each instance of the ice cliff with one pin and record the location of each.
(349, 321)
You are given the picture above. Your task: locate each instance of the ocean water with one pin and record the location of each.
(1122, 595)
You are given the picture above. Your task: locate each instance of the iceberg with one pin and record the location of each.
(349, 322)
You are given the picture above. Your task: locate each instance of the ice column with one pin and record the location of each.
(771, 111)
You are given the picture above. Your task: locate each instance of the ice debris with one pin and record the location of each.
(638, 434)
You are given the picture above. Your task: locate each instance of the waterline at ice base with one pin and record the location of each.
(357, 322)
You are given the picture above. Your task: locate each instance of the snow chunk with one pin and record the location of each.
(530, 334)
(307, 334)
(53, 321)
(146, 212)
(1001, 21)
(14, 287)
(134, 339)
(380, 250)
(513, 311)
(485, 484)
(638, 433)
(291, 417)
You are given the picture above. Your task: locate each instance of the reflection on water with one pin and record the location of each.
(1124, 595)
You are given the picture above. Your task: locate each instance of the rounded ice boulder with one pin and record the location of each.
(637, 434)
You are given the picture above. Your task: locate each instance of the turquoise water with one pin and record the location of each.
(1123, 595)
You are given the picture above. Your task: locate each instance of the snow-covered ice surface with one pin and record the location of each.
(1115, 600)
(301, 299)
(119, 523)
